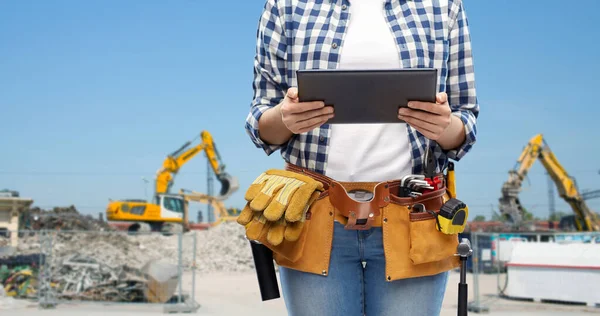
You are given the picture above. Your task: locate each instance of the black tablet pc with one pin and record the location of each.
(367, 96)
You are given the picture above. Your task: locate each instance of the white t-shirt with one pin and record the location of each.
(368, 152)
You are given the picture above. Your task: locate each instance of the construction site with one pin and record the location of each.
(149, 253)
(131, 155)
(135, 252)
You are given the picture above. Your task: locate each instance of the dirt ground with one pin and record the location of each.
(238, 294)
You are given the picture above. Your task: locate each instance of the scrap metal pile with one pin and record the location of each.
(83, 278)
(90, 261)
(87, 260)
(100, 266)
(60, 218)
(87, 279)
(83, 275)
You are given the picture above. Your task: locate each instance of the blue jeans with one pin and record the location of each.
(351, 290)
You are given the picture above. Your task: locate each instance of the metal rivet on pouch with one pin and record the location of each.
(371, 214)
(385, 220)
(389, 278)
(330, 213)
(324, 272)
(386, 199)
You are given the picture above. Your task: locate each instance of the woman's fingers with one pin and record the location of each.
(312, 123)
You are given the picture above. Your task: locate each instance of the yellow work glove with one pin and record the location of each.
(277, 201)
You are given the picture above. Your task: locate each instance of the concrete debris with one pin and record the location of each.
(222, 248)
(111, 248)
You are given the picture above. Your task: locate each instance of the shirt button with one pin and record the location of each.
(344, 7)
(321, 138)
(334, 45)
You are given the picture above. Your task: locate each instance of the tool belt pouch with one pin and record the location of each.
(276, 211)
(289, 250)
(427, 242)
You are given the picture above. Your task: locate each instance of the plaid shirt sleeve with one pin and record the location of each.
(461, 80)
(269, 71)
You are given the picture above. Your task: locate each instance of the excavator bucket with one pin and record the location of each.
(229, 185)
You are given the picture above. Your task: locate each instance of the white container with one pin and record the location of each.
(568, 272)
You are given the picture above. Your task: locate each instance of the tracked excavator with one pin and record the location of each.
(168, 211)
(510, 207)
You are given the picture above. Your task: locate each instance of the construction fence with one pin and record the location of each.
(51, 267)
(511, 269)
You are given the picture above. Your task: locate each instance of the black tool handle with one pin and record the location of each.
(462, 299)
(265, 271)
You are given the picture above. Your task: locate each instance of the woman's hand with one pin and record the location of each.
(299, 117)
(435, 121)
(291, 117)
(431, 119)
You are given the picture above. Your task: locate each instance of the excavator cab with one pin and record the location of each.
(171, 206)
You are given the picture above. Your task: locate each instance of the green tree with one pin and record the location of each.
(479, 218)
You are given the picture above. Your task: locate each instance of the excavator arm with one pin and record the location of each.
(537, 148)
(222, 213)
(174, 162)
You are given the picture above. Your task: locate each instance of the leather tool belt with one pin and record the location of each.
(362, 215)
(293, 213)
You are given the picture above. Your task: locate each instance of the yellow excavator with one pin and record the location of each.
(222, 213)
(168, 212)
(510, 207)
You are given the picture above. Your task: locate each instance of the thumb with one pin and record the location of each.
(441, 97)
(292, 93)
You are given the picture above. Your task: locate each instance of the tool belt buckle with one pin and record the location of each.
(360, 215)
(362, 218)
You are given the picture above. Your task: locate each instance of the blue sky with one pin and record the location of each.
(94, 94)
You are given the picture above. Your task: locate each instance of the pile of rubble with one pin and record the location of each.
(111, 248)
(222, 248)
(60, 218)
(90, 260)
(96, 266)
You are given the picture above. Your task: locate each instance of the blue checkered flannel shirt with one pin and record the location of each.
(309, 34)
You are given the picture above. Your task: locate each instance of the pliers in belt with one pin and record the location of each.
(429, 164)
